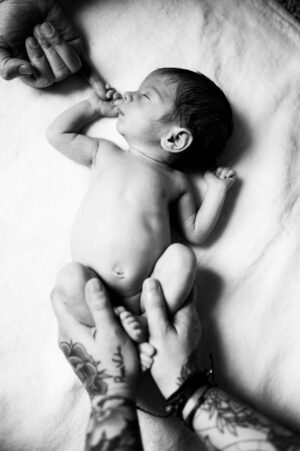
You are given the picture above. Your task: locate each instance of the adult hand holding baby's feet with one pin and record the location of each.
(136, 328)
(222, 178)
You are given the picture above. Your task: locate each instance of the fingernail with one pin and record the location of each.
(95, 286)
(150, 284)
(47, 29)
(25, 70)
(32, 43)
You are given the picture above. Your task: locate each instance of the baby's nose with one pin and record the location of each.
(127, 96)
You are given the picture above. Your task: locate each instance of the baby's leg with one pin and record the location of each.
(71, 281)
(175, 270)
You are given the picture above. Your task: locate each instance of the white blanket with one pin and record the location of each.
(249, 271)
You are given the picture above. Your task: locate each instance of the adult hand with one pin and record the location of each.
(103, 357)
(17, 21)
(175, 340)
(51, 54)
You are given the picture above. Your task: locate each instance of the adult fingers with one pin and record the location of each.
(68, 325)
(59, 69)
(186, 319)
(43, 75)
(155, 308)
(90, 75)
(66, 52)
(61, 22)
(13, 67)
(100, 305)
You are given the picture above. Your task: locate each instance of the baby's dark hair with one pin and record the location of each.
(202, 107)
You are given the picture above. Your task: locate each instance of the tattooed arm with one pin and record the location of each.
(106, 362)
(219, 420)
(223, 422)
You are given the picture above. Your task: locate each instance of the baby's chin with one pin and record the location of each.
(120, 128)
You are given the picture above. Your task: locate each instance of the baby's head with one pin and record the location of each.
(178, 116)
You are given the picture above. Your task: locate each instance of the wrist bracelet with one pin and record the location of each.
(188, 420)
(176, 402)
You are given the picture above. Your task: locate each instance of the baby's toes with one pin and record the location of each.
(131, 324)
(120, 309)
(147, 349)
(146, 362)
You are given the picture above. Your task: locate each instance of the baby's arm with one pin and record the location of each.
(197, 225)
(65, 131)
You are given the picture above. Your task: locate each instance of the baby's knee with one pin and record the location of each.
(182, 257)
(71, 279)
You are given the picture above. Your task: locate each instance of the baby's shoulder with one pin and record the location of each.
(106, 149)
(106, 144)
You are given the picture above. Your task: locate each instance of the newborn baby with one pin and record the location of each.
(122, 231)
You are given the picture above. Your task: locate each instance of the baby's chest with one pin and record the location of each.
(124, 183)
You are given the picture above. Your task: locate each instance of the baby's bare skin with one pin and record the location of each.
(122, 226)
(122, 229)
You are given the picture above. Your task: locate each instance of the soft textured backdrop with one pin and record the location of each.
(249, 271)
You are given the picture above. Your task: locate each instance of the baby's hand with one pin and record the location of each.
(106, 108)
(112, 94)
(223, 178)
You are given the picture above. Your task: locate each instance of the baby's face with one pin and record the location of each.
(141, 111)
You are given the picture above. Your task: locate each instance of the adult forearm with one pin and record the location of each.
(113, 425)
(222, 422)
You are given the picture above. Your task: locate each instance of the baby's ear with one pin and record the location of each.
(176, 140)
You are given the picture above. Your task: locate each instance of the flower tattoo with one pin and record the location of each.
(86, 368)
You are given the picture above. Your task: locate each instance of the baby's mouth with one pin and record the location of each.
(120, 112)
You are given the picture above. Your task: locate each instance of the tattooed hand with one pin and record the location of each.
(103, 357)
(105, 360)
(175, 340)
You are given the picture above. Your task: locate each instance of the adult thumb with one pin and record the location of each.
(155, 308)
(99, 304)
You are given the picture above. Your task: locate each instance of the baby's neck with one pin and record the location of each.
(148, 155)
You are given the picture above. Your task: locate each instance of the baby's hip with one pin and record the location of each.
(122, 270)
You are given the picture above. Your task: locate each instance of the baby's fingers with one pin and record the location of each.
(112, 93)
(225, 172)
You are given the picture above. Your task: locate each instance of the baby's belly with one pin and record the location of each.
(120, 245)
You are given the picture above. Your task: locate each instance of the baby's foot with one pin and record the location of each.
(133, 325)
(147, 352)
(221, 178)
